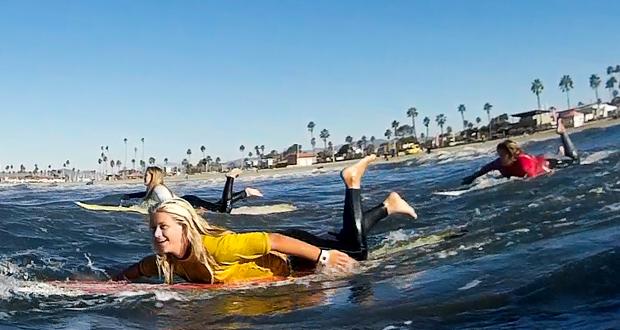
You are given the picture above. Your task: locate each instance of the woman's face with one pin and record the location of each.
(168, 235)
(147, 178)
(505, 157)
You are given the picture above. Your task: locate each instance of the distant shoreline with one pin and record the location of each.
(337, 166)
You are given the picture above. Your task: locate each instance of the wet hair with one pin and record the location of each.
(511, 148)
(157, 178)
(194, 227)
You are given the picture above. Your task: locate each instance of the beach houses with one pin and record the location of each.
(302, 158)
(572, 117)
(534, 118)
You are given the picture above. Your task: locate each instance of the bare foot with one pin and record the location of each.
(234, 173)
(561, 151)
(396, 205)
(252, 192)
(561, 129)
(352, 175)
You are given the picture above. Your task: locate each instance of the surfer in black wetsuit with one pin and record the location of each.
(157, 192)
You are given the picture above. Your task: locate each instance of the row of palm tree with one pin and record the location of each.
(566, 84)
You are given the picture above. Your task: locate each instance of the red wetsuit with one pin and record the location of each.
(524, 165)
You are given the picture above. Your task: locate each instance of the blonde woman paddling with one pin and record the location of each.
(186, 245)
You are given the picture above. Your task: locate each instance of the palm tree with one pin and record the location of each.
(257, 149)
(142, 140)
(151, 160)
(313, 143)
(413, 112)
(133, 164)
(112, 162)
(324, 135)
(125, 141)
(595, 81)
(242, 149)
(426, 122)
(218, 160)
(166, 161)
(189, 156)
(462, 111)
(537, 88)
(610, 70)
(441, 120)
(478, 120)
(566, 84)
(311, 128)
(395, 125)
(135, 155)
(372, 140)
(388, 133)
(449, 130)
(348, 139)
(118, 163)
(487, 108)
(364, 141)
(610, 85)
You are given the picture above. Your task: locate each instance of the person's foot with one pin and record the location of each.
(396, 205)
(234, 173)
(561, 129)
(561, 151)
(352, 175)
(252, 192)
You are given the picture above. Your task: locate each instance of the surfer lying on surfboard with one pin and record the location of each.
(186, 245)
(513, 161)
(157, 192)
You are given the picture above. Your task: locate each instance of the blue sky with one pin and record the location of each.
(75, 75)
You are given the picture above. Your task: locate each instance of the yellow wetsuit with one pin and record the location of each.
(239, 257)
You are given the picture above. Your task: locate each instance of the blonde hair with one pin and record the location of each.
(157, 178)
(194, 227)
(511, 148)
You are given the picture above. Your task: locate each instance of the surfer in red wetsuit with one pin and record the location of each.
(513, 161)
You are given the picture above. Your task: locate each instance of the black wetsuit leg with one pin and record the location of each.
(352, 237)
(569, 148)
(569, 151)
(227, 196)
(239, 196)
(197, 202)
(219, 206)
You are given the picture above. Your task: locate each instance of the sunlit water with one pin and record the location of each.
(541, 253)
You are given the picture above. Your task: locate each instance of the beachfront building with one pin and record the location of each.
(572, 118)
(534, 118)
(596, 111)
(301, 158)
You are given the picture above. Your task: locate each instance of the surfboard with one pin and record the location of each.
(90, 287)
(245, 210)
(111, 208)
(450, 192)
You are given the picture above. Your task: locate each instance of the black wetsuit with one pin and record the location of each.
(224, 205)
(569, 151)
(351, 239)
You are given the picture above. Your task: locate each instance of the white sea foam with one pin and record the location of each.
(470, 285)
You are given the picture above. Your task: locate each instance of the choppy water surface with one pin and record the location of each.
(542, 253)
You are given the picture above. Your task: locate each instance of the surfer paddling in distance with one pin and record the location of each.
(157, 192)
(513, 161)
(186, 245)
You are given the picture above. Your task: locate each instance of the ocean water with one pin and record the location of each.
(541, 253)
